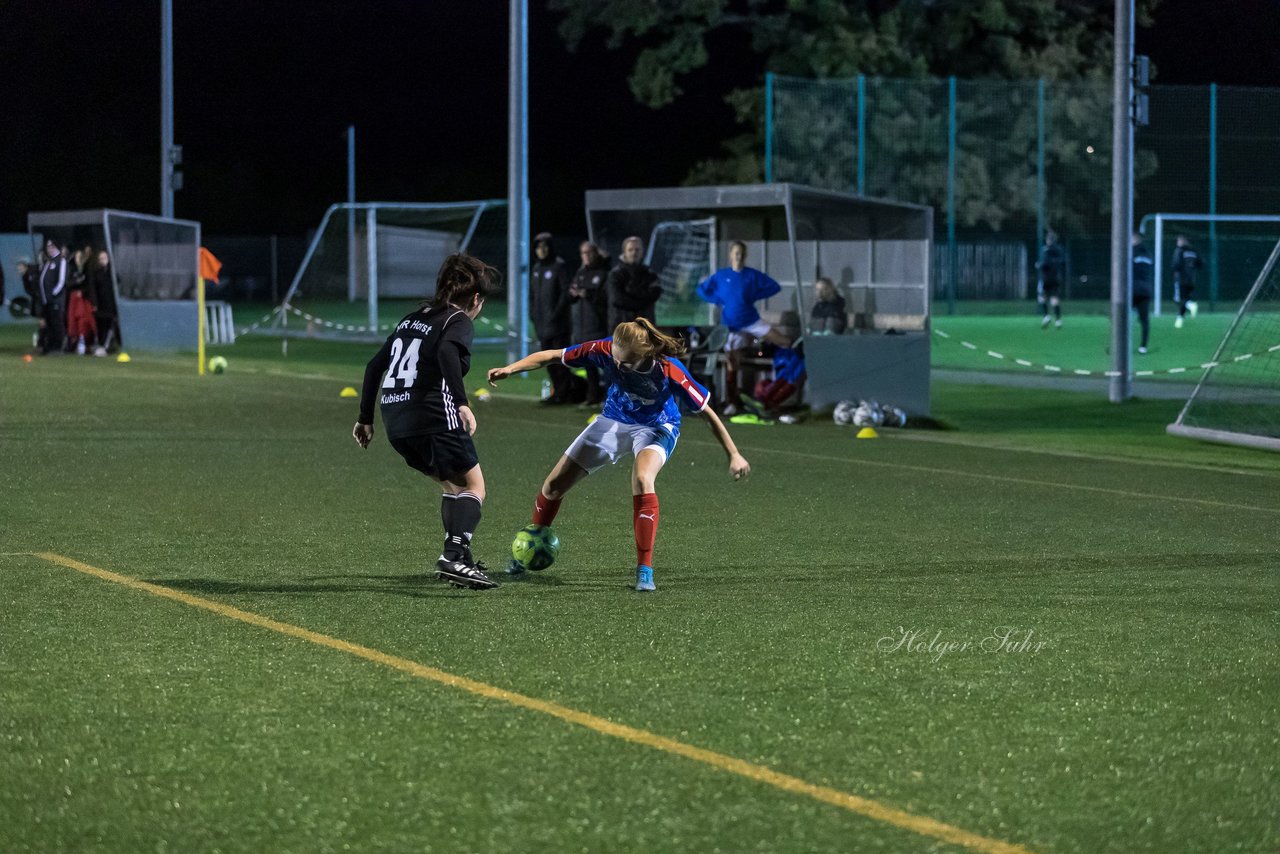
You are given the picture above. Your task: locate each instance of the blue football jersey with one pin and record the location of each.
(651, 398)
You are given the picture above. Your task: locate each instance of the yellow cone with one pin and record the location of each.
(348, 392)
(868, 433)
(123, 357)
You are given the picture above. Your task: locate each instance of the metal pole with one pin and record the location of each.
(352, 263)
(1121, 385)
(768, 127)
(166, 108)
(862, 135)
(275, 271)
(951, 195)
(1213, 194)
(1157, 283)
(518, 182)
(371, 231)
(1041, 190)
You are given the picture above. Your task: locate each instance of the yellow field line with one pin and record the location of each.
(862, 806)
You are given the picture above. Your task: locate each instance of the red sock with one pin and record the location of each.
(545, 509)
(645, 515)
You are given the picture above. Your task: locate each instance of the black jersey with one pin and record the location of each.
(424, 361)
(1052, 264)
(1185, 263)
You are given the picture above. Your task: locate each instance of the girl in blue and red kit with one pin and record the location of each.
(641, 418)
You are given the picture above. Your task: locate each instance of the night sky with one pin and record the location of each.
(265, 90)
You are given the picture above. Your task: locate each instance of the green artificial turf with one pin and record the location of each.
(1082, 344)
(1146, 565)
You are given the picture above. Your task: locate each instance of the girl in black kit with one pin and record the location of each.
(424, 405)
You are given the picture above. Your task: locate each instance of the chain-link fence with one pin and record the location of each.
(1002, 162)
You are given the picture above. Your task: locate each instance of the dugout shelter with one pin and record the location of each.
(155, 267)
(876, 251)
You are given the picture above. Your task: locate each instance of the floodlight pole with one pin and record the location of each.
(518, 182)
(166, 108)
(1121, 385)
(352, 263)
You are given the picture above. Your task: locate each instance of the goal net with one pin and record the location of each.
(682, 254)
(369, 264)
(1237, 400)
(1230, 248)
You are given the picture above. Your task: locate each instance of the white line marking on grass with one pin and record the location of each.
(918, 436)
(994, 477)
(1001, 478)
(922, 825)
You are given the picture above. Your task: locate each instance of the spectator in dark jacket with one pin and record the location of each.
(549, 311)
(102, 293)
(590, 300)
(53, 287)
(633, 287)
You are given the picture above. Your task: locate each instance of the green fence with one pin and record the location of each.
(1003, 161)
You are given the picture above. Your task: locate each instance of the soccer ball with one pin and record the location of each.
(843, 414)
(894, 416)
(217, 365)
(535, 547)
(868, 414)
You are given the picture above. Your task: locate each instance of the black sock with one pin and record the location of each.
(446, 509)
(1057, 311)
(462, 519)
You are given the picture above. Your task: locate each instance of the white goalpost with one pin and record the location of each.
(682, 253)
(1210, 242)
(1237, 400)
(372, 253)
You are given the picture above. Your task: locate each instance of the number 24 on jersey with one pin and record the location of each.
(404, 363)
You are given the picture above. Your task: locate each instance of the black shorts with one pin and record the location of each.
(438, 455)
(1050, 289)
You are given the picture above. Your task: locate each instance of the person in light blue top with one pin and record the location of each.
(736, 289)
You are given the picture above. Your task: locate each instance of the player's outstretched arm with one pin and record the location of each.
(540, 359)
(738, 465)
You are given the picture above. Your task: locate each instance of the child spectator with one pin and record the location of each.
(828, 316)
(102, 293)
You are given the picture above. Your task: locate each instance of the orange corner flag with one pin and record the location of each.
(210, 266)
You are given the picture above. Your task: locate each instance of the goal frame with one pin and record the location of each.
(710, 222)
(1159, 219)
(369, 210)
(1228, 437)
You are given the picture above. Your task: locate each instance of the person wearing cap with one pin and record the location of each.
(53, 286)
(549, 309)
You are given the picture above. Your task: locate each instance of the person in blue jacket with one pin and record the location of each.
(736, 289)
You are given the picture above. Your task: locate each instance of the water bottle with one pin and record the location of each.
(546, 390)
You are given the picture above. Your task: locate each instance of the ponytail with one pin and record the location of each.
(647, 340)
(462, 277)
